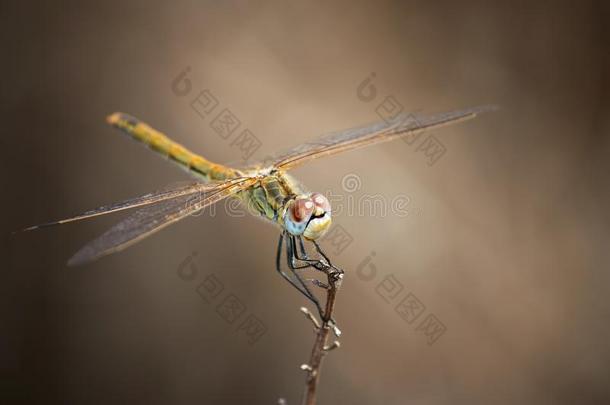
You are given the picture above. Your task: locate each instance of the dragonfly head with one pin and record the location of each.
(308, 215)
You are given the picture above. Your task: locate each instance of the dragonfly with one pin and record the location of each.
(266, 189)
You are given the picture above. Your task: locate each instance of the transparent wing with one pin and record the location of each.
(167, 193)
(149, 220)
(368, 135)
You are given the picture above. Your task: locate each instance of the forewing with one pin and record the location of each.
(149, 220)
(369, 135)
(167, 193)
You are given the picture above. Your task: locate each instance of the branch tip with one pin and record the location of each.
(336, 330)
(312, 318)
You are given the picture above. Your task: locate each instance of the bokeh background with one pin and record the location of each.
(505, 241)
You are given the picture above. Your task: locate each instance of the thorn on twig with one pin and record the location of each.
(333, 346)
(310, 316)
(335, 329)
(306, 367)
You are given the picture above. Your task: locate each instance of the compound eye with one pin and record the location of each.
(302, 209)
(321, 201)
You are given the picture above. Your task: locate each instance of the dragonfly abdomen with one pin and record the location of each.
(162, 144)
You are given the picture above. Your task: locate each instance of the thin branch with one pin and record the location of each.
(320, 348)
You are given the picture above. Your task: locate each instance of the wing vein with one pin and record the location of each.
(151, 219)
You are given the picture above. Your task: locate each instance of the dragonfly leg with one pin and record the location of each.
(303, 250)
(278, 264)
(291, 256)
(319, 249)
(324, 266)
(313, 263)
(303, 257)
(336, 273)
(321, 253)
(300, 286)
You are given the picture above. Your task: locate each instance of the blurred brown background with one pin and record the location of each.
(506, 241)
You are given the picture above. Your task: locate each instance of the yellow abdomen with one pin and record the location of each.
(162, 144)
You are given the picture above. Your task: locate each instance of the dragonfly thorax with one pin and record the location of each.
(308, 215)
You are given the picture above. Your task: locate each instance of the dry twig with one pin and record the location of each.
(320, 348)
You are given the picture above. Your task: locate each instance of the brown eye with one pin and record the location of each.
(321, 201)
(302, 209)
